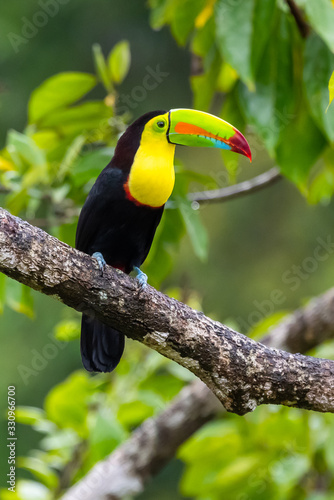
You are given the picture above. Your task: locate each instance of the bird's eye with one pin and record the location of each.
(161, 124)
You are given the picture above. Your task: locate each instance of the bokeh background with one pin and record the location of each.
(257, 243)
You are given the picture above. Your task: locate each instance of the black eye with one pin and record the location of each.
(161, 124)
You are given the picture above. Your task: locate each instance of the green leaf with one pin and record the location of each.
(185, 177)
(119, 61)
(57, 92)
(67, 330)
(105, 435)
(70, 157)
(40, 470)
(167, 239)
(321, 188)
(242, 32)
(271, 107)
(231, 111)
(90, 165)
(45, 139)
(195, 229)
(331, 88)
(320, 15)
(3, 280)
(289, 470)
(263, 326)
(301, 143)
(85, 117)
(20, 299)
(60, 440)
(204, 39)
(163, 384)
(206, 453)
(227, 78)
(134, 413)
(6, 165)
(22, 147)
(27, 302)
(263, 19)
(29, 415)
(232, 114)
(17, 201)
(160, 12)
(318, 66)
(234, 35)
(204, 85)
(27, 490)
(183, 18)
(67, 403)
(239, 470)
(329, 449)
(66, 232)
(101, 67)
(159, 263)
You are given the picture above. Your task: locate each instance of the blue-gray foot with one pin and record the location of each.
(141, 277)
(100, 260)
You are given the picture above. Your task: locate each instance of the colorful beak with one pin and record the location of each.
(189, 127)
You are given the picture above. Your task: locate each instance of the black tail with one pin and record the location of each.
(101, 346)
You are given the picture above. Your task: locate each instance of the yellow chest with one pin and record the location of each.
(151, 179)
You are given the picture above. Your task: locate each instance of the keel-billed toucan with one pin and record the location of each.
(125, 205)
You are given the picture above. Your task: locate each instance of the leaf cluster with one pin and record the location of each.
(272, 76)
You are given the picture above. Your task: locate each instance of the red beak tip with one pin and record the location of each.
(240, 145)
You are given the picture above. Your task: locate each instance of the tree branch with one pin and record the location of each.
(128, 469)
(242, 373)
(307, 327)
(237, 190)
(244, 188)
(303, 26)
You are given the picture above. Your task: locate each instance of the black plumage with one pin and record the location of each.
(122, 231)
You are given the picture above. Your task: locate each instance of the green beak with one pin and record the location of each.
(189, 127)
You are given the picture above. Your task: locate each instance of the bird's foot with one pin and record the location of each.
(100, 260)
(141, 277)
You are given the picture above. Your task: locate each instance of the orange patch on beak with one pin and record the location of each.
(187, 128)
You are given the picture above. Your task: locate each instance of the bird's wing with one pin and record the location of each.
(105, 191)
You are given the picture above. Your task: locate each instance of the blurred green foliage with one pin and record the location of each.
(251, 66)
(275, 80)
(85, 418)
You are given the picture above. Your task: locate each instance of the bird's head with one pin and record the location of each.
(146, 149)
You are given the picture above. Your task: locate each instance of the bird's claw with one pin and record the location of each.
(141, 277)
(100, 260)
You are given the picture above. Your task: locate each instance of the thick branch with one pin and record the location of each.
(237, 190)
(242, 373)
(127, 470)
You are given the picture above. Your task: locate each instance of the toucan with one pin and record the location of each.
(124, 207)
